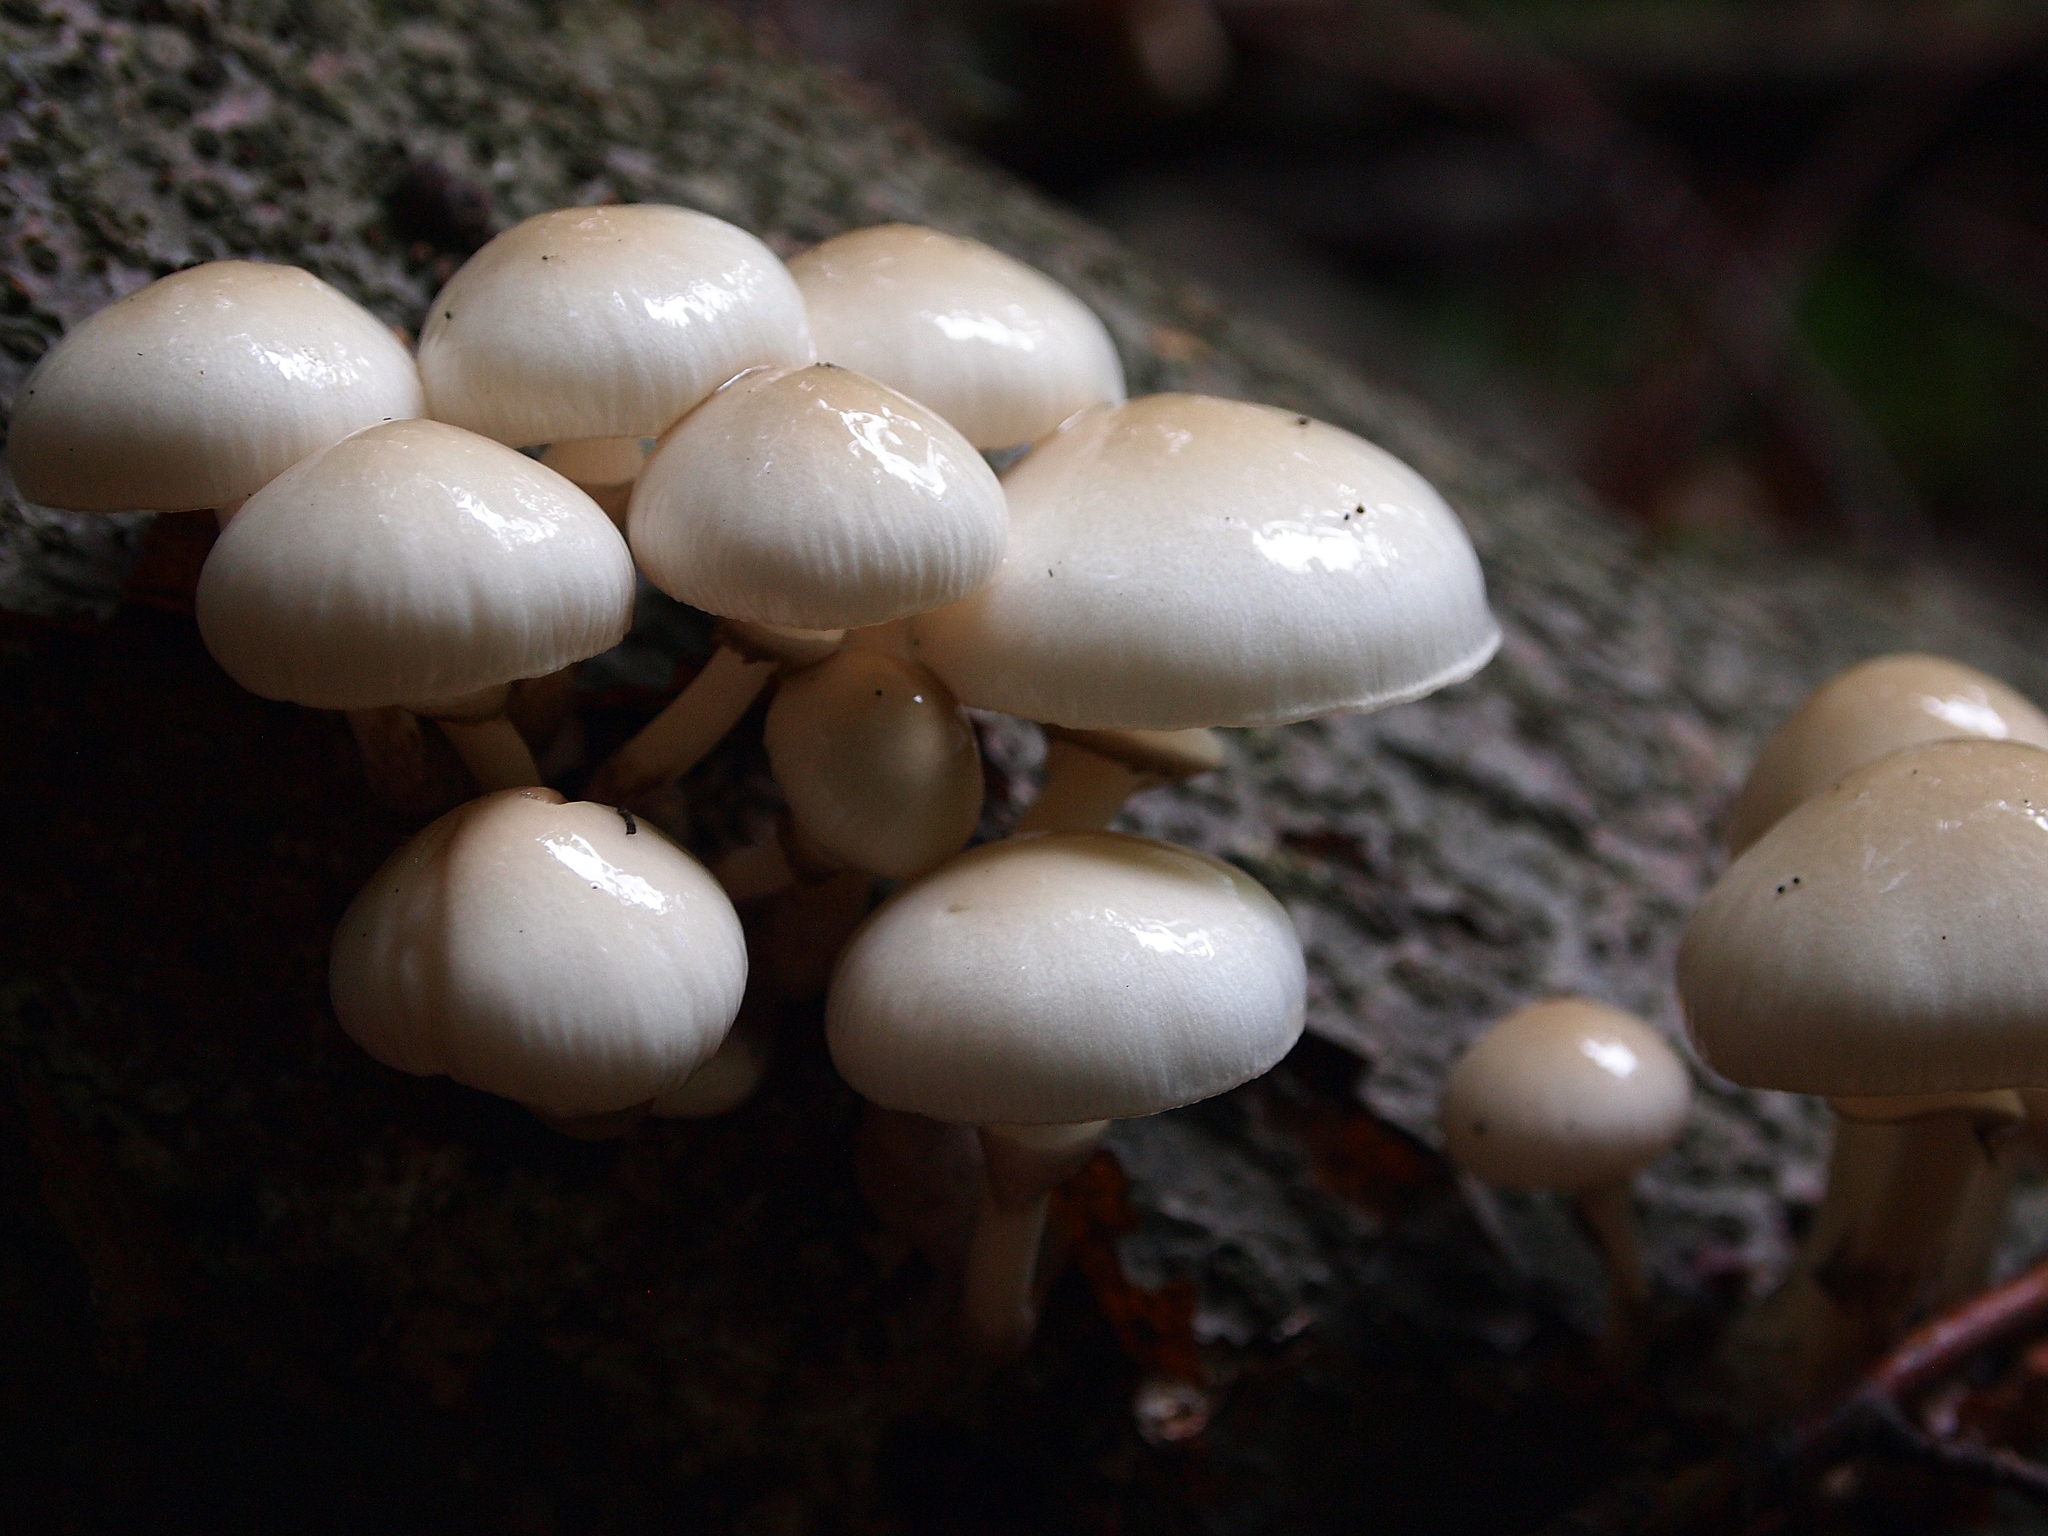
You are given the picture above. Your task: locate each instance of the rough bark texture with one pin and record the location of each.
(268, 1281)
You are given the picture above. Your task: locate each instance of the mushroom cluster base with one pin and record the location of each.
(256, 1273)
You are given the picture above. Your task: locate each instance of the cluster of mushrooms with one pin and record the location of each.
(1878, 940)
(804, 452)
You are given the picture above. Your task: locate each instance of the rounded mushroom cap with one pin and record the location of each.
(411, 562)
(1859, 715)
(1889, 936)
(1566, 1094)
(819, 499)
(1066, 977)
(605, 322)
(195, 391)
(543, 951)
(1181, 561)
(879, 766)
(997, 348)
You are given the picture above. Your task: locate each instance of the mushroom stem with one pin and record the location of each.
(1090, 774)
(1026, 1163)
(1083, 792)
(225, 512)
(691, 724)
(393, 755)
(786, 859)
(493, 751)
(1902, 1196)
(1607, 1212)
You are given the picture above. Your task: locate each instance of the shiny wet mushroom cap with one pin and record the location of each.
(997, 348)
(1859, 715)
(410, 563)
(1066, 977)
(816, 498)
(1887, 937)
(1564, 1094)
(195, 391)
(605, 322)
(555, 953)
(1182, 561)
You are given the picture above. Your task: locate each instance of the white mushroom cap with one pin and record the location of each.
(879, 766)
(1567, 1094)
(411, 562)
(194, 391)
(1889, 936)
(1859, 715)
(551, 952)
(605, 322)
(1067, 977)
(1183, 561)
(819, 499)
(997, 348)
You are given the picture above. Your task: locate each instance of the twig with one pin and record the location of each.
(1743, 1490)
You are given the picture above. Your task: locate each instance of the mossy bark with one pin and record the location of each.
(253, 1271)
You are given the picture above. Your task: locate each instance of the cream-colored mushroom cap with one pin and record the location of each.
(1889, 936)
(409, 563)
(1183, 561)
(1859, 715)
(552, 952)
(819, 499)
(997, 348)
(605, 322)
(879, 766)
(196, 390)
(1566, 1094)
(1066, 977)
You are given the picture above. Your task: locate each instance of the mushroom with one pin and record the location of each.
(1090, 774)
(1859, 715)
(606, 322)
(421, 565)
(192, 393)
(1180, 561)
(1856, 717)
(810, 499)
(880, 769)
(997, 348)
(1038, 987)
(1570, 1095)
(557, 953)
(1884, 940)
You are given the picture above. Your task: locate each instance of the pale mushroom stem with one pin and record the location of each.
(1902, 1195)
(694, 722)
(488, 743)
(1083, 790)
(225, 512)
(1026, 1163)
(1608, 1212)
(493, 751)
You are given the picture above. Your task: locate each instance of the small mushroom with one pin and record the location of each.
(881, 771)
(420, 565)
(194, 392)
(996, 347)
(1884, 939)
(606, 322)
(1570, 1095)
(552, 952)
(809, 499)
(1037, 988)
(1181, 561)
